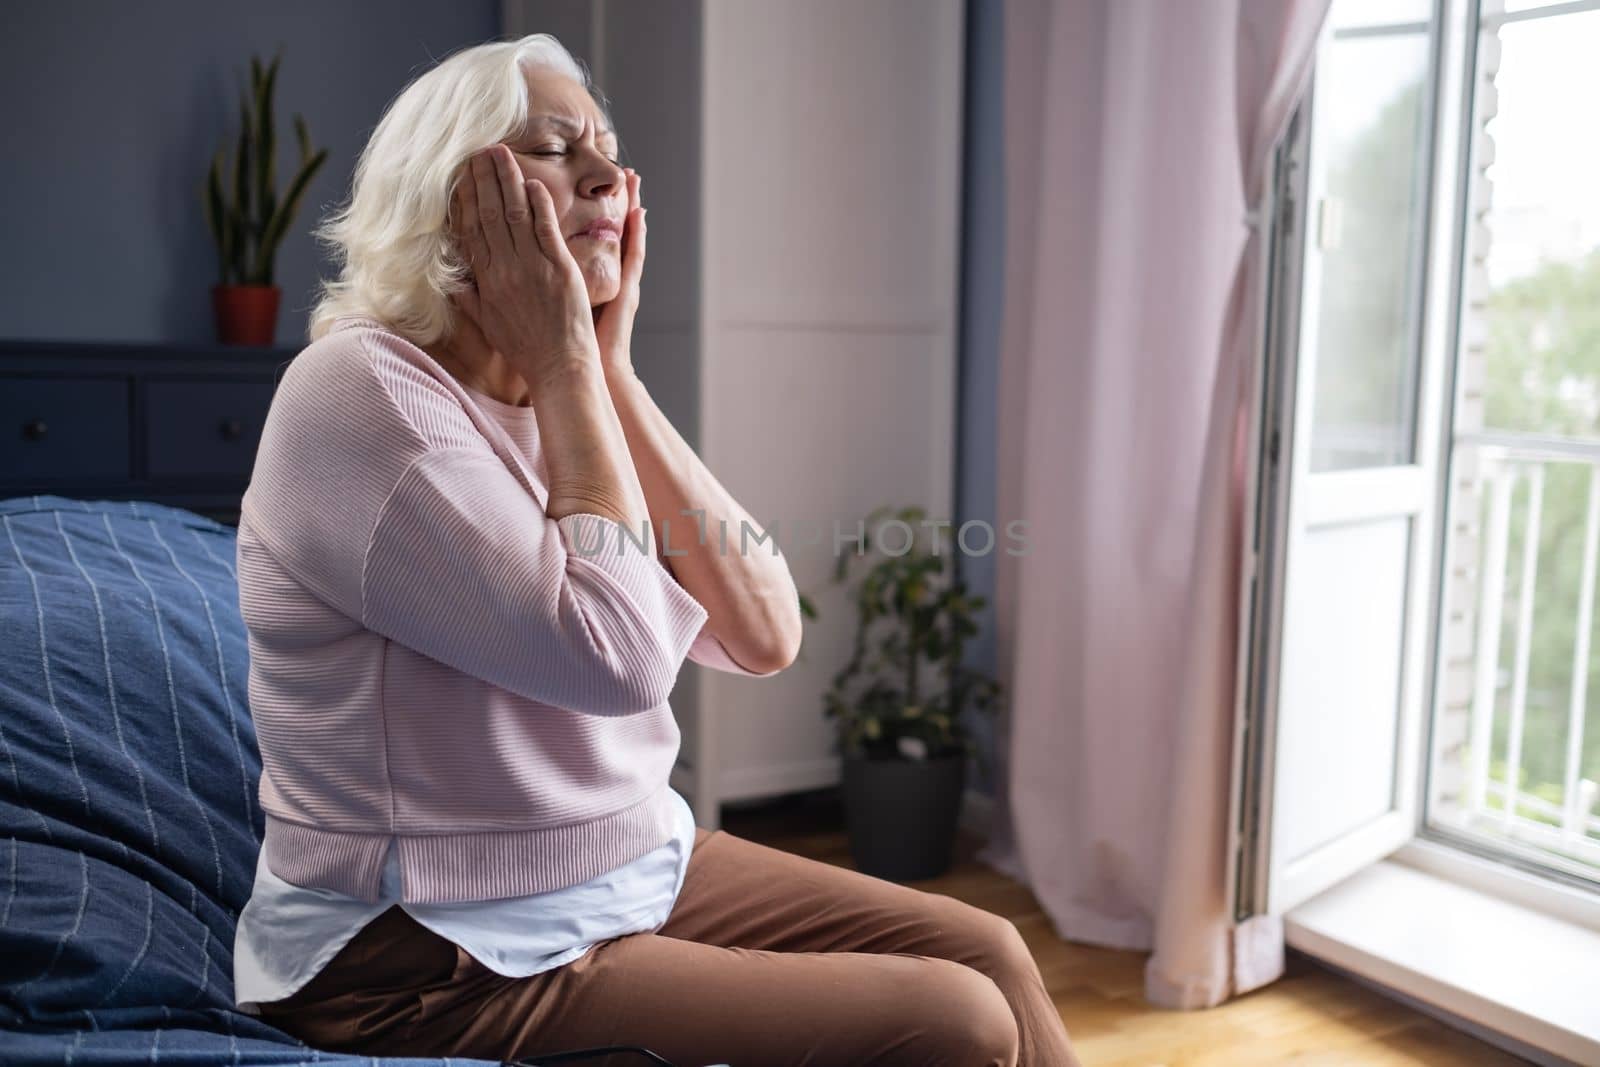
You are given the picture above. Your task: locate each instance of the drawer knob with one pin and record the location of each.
(232, 429)
(34, 430)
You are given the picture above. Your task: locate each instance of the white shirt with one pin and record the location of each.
(287, 933)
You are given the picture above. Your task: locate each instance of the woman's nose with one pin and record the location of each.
(602, 177)
(608, 180)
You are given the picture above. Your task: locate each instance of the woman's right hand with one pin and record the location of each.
(530, 302)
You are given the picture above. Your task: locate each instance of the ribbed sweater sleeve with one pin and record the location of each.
(464, 567)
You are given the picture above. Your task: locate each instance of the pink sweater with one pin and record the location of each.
(434, 660)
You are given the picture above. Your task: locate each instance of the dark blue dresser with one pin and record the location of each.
(170, 423)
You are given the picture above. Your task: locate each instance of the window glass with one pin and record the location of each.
(1370, 100)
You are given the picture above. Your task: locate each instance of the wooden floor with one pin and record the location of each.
(1311, 1016)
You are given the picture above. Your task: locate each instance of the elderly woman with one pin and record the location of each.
(460, 687)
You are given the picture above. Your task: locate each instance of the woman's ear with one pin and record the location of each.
(465, 303)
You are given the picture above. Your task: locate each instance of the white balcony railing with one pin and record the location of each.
(1502, 805)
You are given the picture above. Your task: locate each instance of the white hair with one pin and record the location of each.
(397, 263)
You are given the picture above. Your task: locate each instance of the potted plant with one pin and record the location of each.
(247, 219)
(898, 703)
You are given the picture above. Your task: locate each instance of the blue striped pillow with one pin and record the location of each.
(129, 825)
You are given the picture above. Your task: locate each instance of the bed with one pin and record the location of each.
(129, 823)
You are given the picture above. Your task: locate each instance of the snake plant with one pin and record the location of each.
(247, 218)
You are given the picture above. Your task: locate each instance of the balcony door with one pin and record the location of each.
(1342, 575)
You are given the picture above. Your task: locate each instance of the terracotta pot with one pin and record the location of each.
(246, 314)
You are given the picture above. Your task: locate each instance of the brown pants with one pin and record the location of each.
(767, 959)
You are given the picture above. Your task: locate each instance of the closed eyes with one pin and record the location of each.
(556, 150)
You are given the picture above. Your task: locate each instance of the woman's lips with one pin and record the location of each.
(602, 228)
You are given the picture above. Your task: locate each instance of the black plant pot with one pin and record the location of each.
(901, 814)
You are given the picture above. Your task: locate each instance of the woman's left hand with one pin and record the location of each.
(613, 320)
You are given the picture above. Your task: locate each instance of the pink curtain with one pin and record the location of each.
(1137, 133)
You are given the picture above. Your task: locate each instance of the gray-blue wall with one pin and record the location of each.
(113, 111)
(983, 256)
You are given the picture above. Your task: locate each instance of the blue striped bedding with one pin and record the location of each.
(129, 826)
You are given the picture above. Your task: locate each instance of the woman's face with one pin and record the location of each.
(568, 147)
